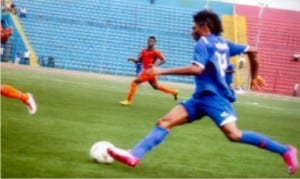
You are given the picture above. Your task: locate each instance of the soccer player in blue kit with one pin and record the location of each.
(212, 96)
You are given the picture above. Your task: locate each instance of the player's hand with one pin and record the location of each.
(131, 60)
(258, 83)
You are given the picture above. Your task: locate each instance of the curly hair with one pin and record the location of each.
(211, 19)
(152, 37)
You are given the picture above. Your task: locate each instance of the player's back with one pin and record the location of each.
(215, 53)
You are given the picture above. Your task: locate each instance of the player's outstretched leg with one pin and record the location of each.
(176, 95)
(26, 98)
(30, 103)
(288, 153)
(132, 158)
(125, 102)
(130, 95)
(168, 90)
(291, 159)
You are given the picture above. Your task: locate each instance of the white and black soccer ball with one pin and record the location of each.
(98, 152)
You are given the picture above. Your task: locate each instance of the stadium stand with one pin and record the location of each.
(15, 44)
(277, 43)
(99, 36)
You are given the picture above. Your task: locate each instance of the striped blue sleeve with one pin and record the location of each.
(236, 49)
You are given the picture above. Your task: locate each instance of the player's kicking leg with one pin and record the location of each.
(123, 156)
(132, 157)
(176, 116)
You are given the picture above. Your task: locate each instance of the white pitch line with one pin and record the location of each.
(258, 105)
(182, 97)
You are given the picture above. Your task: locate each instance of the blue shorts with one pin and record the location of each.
(209, 104)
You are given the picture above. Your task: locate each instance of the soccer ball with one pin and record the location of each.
(98, 152)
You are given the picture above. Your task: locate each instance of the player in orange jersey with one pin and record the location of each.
(149, 57)
(26, 98)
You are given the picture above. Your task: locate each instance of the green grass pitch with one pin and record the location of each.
(76, 111)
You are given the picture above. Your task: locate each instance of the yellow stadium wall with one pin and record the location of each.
(235, 29)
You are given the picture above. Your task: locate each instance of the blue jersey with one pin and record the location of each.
(213, 53)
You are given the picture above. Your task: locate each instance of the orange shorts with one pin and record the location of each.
(143, 77)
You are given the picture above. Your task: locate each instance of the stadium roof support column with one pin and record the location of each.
(237, 80)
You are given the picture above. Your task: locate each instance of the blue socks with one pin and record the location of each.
(158, 134)
(155, 137)
(259, 140)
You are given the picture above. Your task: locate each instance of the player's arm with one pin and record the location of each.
(196, 68)
(192, 69)
(134, 60)
(236, 49)
(200, 59)
(252, 55)
(257, 81)
(160, 59)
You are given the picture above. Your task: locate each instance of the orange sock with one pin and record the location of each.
(132, 91)
(166, 89)
(12, 92)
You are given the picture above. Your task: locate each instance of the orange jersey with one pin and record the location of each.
(149, 57)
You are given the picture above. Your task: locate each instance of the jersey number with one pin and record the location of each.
(222, 62)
